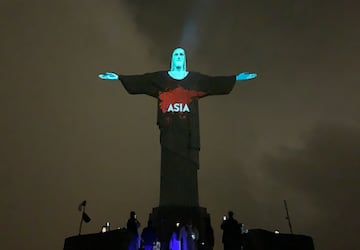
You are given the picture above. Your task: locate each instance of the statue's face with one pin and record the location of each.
(178, 59)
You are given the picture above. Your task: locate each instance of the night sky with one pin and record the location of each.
(292, 133)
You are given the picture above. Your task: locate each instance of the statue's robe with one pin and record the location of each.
(178, 121)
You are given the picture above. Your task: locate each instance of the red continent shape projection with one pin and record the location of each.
(177, 95)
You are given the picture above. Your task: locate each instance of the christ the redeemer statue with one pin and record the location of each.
(178, 92)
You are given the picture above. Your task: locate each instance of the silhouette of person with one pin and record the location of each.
(175, 240)
(149, 236)
(189, 236)
(132, 227)
(231, 232)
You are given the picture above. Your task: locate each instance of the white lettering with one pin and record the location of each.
(170, 108)
(186, 108)
(178, 107)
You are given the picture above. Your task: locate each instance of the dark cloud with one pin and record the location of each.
(324, 170)
(245, 34)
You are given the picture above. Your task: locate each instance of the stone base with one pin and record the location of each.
(164, 219)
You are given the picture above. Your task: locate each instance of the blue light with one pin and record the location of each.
(245, 76)
(109, 76)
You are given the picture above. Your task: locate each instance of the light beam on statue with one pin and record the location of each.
(190, 36)
(177, 92)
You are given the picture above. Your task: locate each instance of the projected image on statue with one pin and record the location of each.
(178, 99)
(178, 92)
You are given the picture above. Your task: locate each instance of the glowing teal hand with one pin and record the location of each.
(245, 76)
(109, 76)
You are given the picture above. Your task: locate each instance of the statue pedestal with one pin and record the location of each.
(164, 219)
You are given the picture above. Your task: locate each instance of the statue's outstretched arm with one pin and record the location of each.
(109, 76)
(245, 76)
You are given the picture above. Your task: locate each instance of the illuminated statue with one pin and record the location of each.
(177, 92)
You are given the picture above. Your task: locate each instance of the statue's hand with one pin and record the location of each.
(109, 76)
(245, 76)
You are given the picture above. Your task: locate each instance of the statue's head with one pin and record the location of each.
(178, 60)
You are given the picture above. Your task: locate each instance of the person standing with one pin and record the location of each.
(132, 227)
(148, 236)
(189, 237)
(175, 240)
(231, 230)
